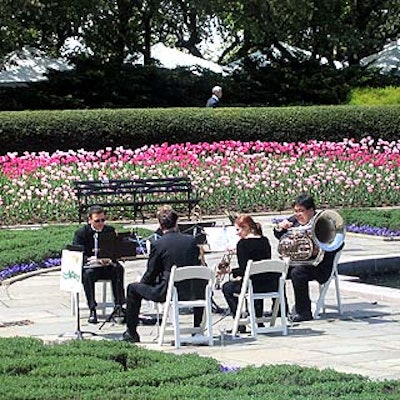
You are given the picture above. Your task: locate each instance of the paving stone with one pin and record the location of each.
(364, 340)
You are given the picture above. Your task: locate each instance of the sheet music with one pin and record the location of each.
(97, 263)
(221, 238)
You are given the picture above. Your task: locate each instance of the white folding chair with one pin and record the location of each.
(323, 290)
(247, 296)
(158, 308)
(173, 304)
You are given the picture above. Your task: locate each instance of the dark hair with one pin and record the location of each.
(162, 208)
(305, 200)
(96, 209)
(245, 220)
(167, 218)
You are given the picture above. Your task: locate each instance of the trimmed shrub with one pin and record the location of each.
(132, 128)
(102, 370)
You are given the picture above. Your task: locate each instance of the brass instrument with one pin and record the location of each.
(222, 268)
(197, 213)
(306, 245)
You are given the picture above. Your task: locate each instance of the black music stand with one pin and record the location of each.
(196, 230)
(116, 313)
(78, 334)
(116, 247)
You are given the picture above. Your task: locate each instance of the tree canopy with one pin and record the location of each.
(338, 30)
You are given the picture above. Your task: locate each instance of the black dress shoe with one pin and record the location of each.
(147, 319)
(241, 329)
(219, 310)
(133, 338)
(301, 317)
(92, 317)
(120, 315)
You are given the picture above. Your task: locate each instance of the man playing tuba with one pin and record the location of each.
(308, 260)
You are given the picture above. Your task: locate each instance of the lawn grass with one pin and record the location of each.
(37, 244)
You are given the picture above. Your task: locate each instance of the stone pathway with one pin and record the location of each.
(364, 340)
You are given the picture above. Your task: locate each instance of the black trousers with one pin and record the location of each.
(138, 291)
(232, 288)
(112, 272)
(301, 275)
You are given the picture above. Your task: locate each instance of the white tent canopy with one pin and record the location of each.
(29, 65)
(261, 58)
(387, 60)
(171, 58)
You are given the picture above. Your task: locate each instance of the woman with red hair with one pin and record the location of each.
(253, 245)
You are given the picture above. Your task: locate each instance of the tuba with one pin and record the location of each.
(306, 245)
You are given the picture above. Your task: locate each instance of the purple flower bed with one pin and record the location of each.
(372, 230)
(227, 368)
(19, 269)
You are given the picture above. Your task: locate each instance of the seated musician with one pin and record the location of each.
(251, 246)
(94, 269)
(172, 248)
(159, 232)
(304, 212)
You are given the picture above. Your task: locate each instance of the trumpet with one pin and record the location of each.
(306, 245)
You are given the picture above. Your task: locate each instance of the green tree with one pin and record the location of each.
(15, 32)
(43, 24)
(339, 30)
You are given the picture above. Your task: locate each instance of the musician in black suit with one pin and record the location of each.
(85, 236)
(304, 212)
(172, 248)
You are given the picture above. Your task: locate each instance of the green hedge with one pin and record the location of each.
(94, 129)
(24, 246)
(113, 370)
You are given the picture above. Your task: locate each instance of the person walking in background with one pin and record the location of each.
(213, 101)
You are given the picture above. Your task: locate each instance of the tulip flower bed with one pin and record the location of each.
(229, 175)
